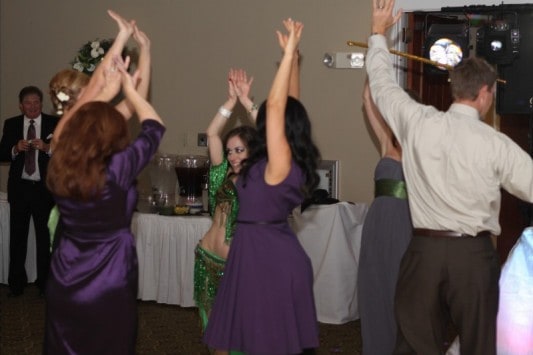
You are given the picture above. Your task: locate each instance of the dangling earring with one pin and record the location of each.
(59, 110)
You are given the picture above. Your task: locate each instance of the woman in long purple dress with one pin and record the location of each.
(265, 302)
(92, 289)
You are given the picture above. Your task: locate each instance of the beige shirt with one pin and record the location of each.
(454, 164)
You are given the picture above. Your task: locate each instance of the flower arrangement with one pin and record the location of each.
(62, 98)
(90, 55)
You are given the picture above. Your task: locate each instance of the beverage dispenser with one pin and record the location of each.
(163, 181)
(192, 175)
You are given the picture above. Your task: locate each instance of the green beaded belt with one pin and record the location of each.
(390, 187)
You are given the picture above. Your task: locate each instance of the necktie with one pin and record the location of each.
(29, 160)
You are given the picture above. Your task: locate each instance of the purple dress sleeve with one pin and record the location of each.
(127, 164)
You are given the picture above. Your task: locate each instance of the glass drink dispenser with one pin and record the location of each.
(163, 182)
(192, 175)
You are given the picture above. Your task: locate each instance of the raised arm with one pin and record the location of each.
(142, 107)
(214, 130)
(98, 79)
(278, 148)
(243, 85)
(294, 81)
(379, 126)
(100, 87)
(144, 67)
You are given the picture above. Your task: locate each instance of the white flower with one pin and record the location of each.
(78, 66)
(90, 55)
(62, 97)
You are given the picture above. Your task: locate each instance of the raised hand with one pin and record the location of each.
(129, 81)
(141, 38)
(112, 80)
(232, 88)
(142, 108)
(125, 27)
(243, 84)
(290, 41)
(382, 17)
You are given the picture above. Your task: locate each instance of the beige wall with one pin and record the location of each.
(194, 44)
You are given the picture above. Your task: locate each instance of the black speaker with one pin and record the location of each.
(516, 95)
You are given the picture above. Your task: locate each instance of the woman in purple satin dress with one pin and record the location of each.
(265, 302)
(91, 293)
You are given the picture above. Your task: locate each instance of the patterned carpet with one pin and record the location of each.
(163, 329)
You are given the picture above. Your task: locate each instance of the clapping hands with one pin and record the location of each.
(241, 83)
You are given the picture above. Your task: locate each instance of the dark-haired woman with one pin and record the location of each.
(226, 157)
(265, 302)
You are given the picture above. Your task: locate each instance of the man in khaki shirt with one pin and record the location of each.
(455, 166)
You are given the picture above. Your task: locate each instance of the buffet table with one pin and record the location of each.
(331, 236)
(165, 249)
(31, 266)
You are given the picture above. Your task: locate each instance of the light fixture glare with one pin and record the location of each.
(446, 51)
(328, 60)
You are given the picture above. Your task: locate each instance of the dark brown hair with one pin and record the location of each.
(77, 168)
(469, 76)
(30, 90)
(247, 134)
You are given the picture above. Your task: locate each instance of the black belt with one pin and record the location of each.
(32, 182)
(422, 232)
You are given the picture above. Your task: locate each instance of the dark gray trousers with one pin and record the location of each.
(443, 279)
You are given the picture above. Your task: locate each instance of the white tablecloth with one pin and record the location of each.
(165, 249)
(331, 236)
(31, 267)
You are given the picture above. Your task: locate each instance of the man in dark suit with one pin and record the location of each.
(25, 144)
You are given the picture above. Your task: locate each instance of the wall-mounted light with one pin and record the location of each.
(351, 60)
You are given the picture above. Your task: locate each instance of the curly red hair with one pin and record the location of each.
(94, 133)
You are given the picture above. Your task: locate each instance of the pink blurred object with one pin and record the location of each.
(515, 312)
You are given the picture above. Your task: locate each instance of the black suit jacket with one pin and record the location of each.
(13, 132)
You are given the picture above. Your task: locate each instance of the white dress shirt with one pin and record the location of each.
(454, 164)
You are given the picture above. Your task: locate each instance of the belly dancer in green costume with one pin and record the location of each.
(226, 157)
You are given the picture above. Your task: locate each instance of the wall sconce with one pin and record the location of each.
(352, 60)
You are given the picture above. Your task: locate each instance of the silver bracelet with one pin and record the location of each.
(252, 109)
(224, 112)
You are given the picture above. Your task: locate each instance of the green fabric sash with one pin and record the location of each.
(53, 220)
(390, 187)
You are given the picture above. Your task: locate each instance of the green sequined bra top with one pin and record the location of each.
(222, 189)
